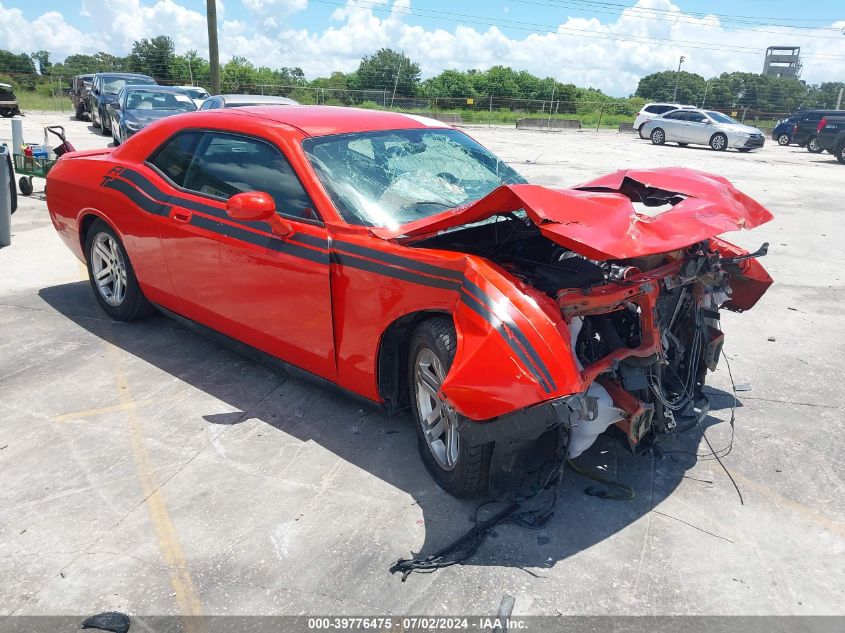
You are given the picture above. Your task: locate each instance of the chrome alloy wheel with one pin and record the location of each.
(718, 142)
(438, 420)
(109, 269)
(658, 136)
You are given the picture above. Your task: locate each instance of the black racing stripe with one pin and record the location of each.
(266, 241)
(148, 187)
(398, 260)
(151, 190)
(389, 271)
(496, 323)
(138, 198)
(520, 335)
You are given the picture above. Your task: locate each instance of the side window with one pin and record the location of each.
(663, 109)
(174, 157)
(678, 116)
(227, 164)
(652, 109)
(695, 117)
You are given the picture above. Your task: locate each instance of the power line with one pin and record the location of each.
(533, 27)
(683, 18)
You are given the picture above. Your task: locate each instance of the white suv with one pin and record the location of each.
(654, 110)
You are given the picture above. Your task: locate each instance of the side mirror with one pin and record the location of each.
(115, 105)
(96, 91)
(257, 206)
(708, 122)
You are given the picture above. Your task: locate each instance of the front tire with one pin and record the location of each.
(460, 469)
(94, 122)
(813, 145)
(783, 139)
(106, 131)
(718, 142)
(658, 136)
(111, 275)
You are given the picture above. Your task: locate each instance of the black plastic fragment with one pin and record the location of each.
(108, 621)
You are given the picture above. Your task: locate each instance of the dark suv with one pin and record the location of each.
(831, 135)
(804, 129)
(104, 89)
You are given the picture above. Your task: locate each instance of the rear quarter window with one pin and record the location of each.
(175, 156)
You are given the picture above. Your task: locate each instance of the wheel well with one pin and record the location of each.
(84, 225)
(393, 358)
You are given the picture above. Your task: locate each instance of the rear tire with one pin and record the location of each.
(460, 469)
(840, 153)
(80, 113)
(658, 136)
(718, 142)
(640, 131)
(25, 185)
(94, 122)
(813, 145)
(117, 290)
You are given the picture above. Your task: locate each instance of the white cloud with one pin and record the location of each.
(611, 53)
(275, 6)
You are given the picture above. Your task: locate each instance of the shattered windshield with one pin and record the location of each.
(393, 177)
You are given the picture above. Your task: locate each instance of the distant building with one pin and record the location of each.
(783, 61)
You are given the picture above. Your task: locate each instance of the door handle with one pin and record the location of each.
(179, 215)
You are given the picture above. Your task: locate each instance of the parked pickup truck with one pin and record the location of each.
(831, 136)
(80, 88)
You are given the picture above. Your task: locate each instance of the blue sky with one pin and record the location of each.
(317, 15)
(587, 42)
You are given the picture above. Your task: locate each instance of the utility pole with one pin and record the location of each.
(839, 100)
(706, 85)
(213, 53)
(677, 78)
(396, 83)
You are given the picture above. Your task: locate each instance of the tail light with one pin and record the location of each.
(795, 129)
(821, 125)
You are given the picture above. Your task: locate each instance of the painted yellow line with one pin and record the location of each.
(123, 406)
(184, 590)
(831, 525)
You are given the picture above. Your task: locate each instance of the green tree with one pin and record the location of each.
(43, 59)
(153, 57)
(661, 87)
(385, 70)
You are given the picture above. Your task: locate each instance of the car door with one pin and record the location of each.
(697, 128)
(238, 277)
(673, 124)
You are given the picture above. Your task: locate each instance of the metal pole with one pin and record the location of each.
(396, 83)
(552, 102)
(706, 85)
(213, 53)
(839, 100)
(677, 78)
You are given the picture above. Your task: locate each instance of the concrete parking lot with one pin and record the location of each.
(147, 470)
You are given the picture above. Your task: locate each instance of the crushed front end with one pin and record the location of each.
(645, 339)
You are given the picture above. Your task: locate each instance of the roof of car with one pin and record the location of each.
(325, 120)
(120, 74)
(155, 87)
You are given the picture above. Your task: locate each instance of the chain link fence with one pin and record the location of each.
(541, 114)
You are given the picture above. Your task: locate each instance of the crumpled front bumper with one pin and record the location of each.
(529, 423)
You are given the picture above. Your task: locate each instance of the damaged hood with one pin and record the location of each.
(678, 207)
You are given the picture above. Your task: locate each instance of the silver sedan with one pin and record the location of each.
(702, 127)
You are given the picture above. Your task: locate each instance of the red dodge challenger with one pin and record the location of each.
(397, 258)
